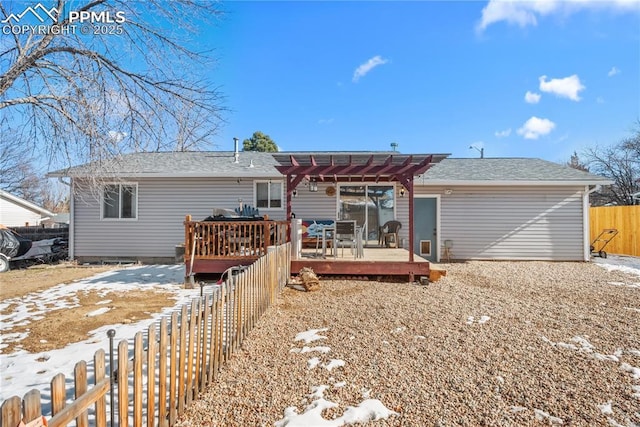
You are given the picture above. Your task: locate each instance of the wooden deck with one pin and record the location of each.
(213, 246)
(376, 262)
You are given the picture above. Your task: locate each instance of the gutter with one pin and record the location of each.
(71, 216)
(585, 221)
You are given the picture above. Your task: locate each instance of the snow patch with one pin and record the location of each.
(606, 408)
(311, 335)
(98, 312)
(481, 320)
(542, 416)
(333, 363)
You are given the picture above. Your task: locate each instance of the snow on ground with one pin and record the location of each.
(582, 345)
(23, 371)
(625, 264)
(367, 410)
(481, 320)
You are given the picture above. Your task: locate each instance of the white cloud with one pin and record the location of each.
(363, 69)
(532, 97)
(613, 71)
(568, 87)
(503, 133)
(536, 127)
(524, 13)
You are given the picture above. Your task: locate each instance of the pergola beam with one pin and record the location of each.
(347, 168)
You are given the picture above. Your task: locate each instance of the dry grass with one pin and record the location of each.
(16, 283)
(57, 328)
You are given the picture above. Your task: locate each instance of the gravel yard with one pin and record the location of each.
(492, 343)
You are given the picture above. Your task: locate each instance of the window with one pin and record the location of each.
(268, 194)
(120, 201)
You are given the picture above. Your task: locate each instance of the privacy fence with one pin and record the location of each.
(152, 381)
(37, 232)
(625, 219)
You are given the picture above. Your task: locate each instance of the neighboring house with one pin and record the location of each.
(17, 212)
(487, 208)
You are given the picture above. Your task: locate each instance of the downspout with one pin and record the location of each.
(71, 215)
(585, 221)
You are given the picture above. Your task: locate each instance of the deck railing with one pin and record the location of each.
(154, 378)
(232, 239)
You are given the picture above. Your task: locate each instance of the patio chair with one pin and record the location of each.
(389, 232)
(345, 233)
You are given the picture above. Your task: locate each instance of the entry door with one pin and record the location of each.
(425, 239)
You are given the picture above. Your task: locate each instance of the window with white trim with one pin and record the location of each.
(120, 201)
(268, 194)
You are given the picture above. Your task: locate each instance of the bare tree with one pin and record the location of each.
(17, 175)
(127, 79)
(20, 177)
(621, 163)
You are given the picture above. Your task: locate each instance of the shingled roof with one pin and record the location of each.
(506, 170)
(181, 164)
(489, 171)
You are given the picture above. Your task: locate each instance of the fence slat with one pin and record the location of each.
(173, 369)
(198, 330)
(58, 394)
(206, 324)
(192, 338)
(138, 357)
(100, 373)
(162, 373)
(31, 405)
(151, 374)
(123, 384)
(183, 359)
(80, 379)
(11, 412)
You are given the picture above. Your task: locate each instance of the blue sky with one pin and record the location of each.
(534, 79)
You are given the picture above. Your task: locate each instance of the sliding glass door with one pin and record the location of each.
(370, 205)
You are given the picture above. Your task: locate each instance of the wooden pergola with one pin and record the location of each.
(356, 167)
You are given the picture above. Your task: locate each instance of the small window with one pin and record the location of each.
(268, 194)
(120, 201)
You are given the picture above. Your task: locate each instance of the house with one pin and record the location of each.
(18, 212)
(489, 208)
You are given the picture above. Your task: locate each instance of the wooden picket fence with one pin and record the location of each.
(626, 219)
(165, 370)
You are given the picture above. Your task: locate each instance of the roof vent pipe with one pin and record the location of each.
(236, 153)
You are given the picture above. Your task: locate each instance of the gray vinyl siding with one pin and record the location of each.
(162, 207)
(317, 205)
(512, 223)
(402, 215)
